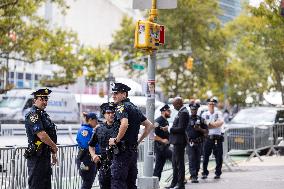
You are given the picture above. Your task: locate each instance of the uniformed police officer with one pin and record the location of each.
(87, 168)
(101, 137)
(214, 141)
(129, 118)
(42, 138)
(195, 132)
(161, 145)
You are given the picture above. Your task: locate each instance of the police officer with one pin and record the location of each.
(87, 168)
(101, 137)
(42, 138)
(129, 118)
(178, 139)
(195, 132)
(161, 145)
(214, 141)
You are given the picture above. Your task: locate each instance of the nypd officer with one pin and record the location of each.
(129, 118)
(42, 138)
(195, 132)
(161, 145)
(87, 168)
(214, 141)
(101, 137)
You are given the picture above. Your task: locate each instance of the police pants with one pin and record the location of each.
(124, 170)
(178, 165)
(87, 170)
(105, 178)
(194, 156)
(39, 171)
(217, 148)
(161, 158)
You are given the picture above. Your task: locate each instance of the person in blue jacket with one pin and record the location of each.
(87, 168)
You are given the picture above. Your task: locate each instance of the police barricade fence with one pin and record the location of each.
(65, 175)
(252, 139)
(14, 172)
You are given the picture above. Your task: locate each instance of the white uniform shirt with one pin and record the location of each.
(217, 115)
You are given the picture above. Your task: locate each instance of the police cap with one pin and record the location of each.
(212, 100)
(107, 107)
(165, 108)
(91, 115)
(194, 106)
(120, 87)
(42, 93)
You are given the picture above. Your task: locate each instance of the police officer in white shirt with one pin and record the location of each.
(214, 141)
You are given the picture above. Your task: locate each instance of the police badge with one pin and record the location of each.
(34, 118)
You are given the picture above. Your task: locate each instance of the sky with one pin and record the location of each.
(255, 2)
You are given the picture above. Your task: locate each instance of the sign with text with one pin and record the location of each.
(161, 4)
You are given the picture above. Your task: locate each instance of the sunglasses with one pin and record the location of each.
(109, 112)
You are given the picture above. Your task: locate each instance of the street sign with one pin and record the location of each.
(137, 67)
(161, 4)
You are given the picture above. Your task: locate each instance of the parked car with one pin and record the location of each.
(255, 128)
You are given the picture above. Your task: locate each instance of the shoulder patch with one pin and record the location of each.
(84, 133)
(120, 108)
(33, 117)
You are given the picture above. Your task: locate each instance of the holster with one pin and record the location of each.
(81, 154)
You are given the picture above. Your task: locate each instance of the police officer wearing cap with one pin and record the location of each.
(214, 141)
(195, 132)
(42, 138)
(161, 145)
(87, 168)
(101, 137)
(129, 118)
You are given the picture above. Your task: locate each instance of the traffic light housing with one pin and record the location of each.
(147, 35)
(189, 63)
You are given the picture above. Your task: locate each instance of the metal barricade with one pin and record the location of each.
(14, 173)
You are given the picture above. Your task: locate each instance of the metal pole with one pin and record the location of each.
(150, 111)
(108, 81)
(7, 72)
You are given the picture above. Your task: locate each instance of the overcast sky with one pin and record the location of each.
(255, 2)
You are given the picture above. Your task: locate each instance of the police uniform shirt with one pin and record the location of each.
(84, 135)
(216, 115)
(162, 123)
(128, 110)
(191, 132)
(102, 135)
(38, 120)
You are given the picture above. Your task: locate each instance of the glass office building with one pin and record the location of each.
(230, 9)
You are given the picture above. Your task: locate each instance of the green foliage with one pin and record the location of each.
(24, 34)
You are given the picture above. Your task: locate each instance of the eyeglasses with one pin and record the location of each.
(211, 104)
(44, 98)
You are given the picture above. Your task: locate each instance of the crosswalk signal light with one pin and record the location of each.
(189, 63)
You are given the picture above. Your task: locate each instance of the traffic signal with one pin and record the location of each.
(147, 35)
(189, 63)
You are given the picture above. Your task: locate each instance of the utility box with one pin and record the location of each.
(147, 35)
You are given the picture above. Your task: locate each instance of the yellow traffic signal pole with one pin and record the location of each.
(150, 104)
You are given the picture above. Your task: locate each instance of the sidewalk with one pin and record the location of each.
(268, 174)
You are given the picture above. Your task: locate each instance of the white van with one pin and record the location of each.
(62, 106)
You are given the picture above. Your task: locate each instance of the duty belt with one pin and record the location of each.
(195, 141)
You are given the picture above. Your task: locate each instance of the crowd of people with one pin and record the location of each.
(110, 148)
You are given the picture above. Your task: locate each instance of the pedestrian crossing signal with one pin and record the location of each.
(189, 63)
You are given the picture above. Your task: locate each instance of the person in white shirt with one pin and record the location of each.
(214, 141)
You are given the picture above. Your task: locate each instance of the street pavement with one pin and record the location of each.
(253, 174)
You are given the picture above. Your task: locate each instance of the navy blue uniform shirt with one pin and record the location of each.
(191, 132)
(127, 109)
(162, 123)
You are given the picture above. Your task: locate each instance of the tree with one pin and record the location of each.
(26, 35)
(193, 26)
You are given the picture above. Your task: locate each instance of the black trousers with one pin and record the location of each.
(194, 156)
(178, 165)
(161, 158)
(39, 171)
(217, 148)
